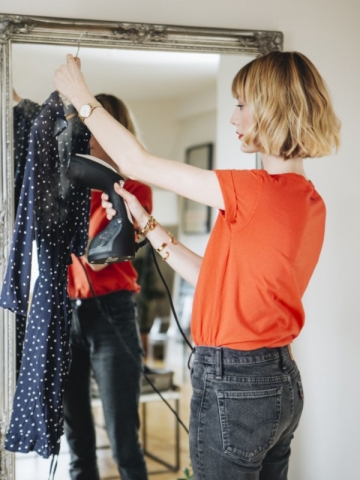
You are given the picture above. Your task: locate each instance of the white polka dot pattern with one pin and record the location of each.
(25, 113)
(55, 213)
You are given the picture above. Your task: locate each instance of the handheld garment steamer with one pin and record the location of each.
(116, 243)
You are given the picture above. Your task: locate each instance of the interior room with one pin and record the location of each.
(188, 103)
(173, 98)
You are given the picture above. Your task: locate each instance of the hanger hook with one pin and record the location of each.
(78, 43)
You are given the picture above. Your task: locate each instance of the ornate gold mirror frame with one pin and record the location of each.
(57, 31)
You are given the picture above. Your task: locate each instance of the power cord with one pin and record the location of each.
(171, 302)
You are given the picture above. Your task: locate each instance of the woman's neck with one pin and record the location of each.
(277, 165)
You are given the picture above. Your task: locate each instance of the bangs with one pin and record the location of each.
(239, 84)
(291, 106)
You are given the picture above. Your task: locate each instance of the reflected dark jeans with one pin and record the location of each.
(245, 408)
(95, 346)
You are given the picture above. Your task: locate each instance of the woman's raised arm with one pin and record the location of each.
(129, 155)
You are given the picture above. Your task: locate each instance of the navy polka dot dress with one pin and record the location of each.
(55, 214)
(25, 113)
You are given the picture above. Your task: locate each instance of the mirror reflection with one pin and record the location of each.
(175, 101)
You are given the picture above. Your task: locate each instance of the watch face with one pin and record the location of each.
(85, 111)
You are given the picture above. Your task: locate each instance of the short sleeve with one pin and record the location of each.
(241, 190)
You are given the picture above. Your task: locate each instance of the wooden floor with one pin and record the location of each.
(160, 436)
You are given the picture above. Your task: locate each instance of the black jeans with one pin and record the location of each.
(96, 346)
(245, 408)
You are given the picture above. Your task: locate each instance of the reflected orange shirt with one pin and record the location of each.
(261, 254)
(116, 276)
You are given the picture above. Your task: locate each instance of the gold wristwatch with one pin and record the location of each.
(86, 110)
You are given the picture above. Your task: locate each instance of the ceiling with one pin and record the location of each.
(131, 74)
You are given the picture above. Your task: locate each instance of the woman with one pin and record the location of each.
(247, 392)
(105, 340)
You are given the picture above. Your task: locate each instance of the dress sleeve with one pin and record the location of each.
(16, 287)
(25, 114)
(241, 191)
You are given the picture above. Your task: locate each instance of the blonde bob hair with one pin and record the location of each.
(291, 106)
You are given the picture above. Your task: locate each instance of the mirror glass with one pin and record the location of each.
(177, 100)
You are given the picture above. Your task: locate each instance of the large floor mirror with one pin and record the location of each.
(171, 77)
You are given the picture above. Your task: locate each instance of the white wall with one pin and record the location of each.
(198, 117)
(196, 130)
(157, 125)
(328, 31)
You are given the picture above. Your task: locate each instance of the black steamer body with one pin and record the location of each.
(116, 243)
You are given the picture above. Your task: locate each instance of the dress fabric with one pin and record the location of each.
(55, 214)
(24, 113)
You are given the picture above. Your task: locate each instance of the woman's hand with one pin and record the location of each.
(137, 211)
(70, 82)
(180, 258)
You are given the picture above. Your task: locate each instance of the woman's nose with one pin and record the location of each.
(233, 118)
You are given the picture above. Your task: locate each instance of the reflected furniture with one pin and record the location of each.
(171, 395)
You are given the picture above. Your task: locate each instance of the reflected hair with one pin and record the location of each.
(291, 106)
(117, 109)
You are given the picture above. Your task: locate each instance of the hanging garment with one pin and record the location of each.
(24, 115)
(55, 213)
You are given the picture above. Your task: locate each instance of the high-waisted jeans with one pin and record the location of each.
(96, 346)
(245, 408)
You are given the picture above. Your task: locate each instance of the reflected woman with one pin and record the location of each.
(95, 345)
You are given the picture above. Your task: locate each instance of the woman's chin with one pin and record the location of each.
(248, 149)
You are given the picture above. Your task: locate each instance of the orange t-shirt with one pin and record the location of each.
(116, 276)
(259, 260)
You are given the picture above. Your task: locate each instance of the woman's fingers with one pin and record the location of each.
(110, 213)
(69, 57)
(108, 206)
(120, 190)
(69, 79)
(139, 214)
(137, 211)
(129, 198)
